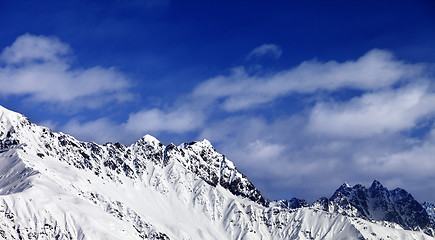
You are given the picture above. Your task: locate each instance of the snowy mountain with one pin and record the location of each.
(53, 186)
(379, 204)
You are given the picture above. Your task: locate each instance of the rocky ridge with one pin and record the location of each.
(379, 204)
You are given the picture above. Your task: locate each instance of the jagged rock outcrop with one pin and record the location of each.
(379, 204)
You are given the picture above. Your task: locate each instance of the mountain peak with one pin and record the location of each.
(10, 117)
(206, 142)
(201, 144)
(10, 123)
(376, 184)
(149, 138)
(345, 186)
(343, 190)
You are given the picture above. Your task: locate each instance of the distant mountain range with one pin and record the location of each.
(53, 186)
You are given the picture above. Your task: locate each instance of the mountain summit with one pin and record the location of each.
(53, 186)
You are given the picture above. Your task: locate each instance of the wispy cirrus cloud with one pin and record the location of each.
(39, 68)
(270, 50)
(375, 70)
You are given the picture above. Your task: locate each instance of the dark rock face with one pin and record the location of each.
(378, 203)
(408, 212)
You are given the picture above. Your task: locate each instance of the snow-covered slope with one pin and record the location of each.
(53, 186)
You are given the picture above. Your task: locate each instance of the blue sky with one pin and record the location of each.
(302, 96)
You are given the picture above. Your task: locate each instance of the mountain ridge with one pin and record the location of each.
(206, 162)
(379, 204)
(53, 186)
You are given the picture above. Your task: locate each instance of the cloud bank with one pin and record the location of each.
(40, 68)
(374, 113)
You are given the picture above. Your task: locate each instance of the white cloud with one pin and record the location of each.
(377, 69)
(28, 48)
(419, 159)
(265, 50)
(48, 123)
(152, 121)
(243, 128)
(261, 150)
(155, 120)
(37, 67)
(101, 130)
(374, 113)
